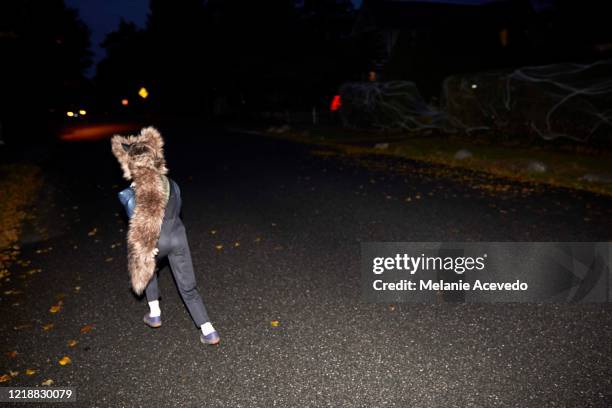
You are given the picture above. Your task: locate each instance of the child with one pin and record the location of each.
(153, 204)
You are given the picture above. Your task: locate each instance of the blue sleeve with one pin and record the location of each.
(128, 199)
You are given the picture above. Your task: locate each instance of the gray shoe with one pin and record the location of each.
(211, 339)
(152, 321)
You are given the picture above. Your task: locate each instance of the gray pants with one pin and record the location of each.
(173, 244)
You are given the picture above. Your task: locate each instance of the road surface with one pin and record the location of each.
(275, 229)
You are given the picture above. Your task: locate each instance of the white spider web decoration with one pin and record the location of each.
(567, 100)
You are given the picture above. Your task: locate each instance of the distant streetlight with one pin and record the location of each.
(70, 114)
(143, 93)
(125, 102)
(83, 112)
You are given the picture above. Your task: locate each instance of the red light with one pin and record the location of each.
(336, 103)
(125, 102)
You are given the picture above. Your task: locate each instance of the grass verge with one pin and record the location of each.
(575, 167)
(19, 184)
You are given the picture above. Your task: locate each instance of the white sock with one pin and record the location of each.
(207, 328)
(155, 310)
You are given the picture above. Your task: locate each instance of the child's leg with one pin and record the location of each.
(152, 294)
(182, 269)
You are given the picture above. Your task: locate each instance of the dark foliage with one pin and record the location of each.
(45, 51)
(233, 56)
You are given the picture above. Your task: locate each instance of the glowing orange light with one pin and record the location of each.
(336, 103)
(125, 102)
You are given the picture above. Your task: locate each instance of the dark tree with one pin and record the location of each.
(45, 52)
(127, 66)
(235, 56)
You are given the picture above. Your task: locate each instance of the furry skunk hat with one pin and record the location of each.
(142, 160)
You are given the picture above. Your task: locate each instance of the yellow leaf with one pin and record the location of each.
(86, 329)
(55, 308)
(30, 371)
(47, 382)
(64, 361)
(47, 327)
(274, 323)
(5, 378)
(72, 343)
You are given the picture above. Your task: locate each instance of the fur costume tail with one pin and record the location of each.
(142, 160)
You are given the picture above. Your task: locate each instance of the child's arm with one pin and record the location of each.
(128, 199)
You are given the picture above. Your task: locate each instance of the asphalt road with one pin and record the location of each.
(274, 229)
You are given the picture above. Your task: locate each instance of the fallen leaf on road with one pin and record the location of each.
(47, 382)
(23, 326)
(92, 232)
(218, 247)
(64, 361)
(274, 323)
(55, 308)
(109, 259)
(47, 327)
(12, 354)
(30, 371)
(14, 373)
(86, 329)
(258, 239)
(5, 378)
(236, 244)
(72, 343)
(77, 288)
(213, 232)
(391, 308)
